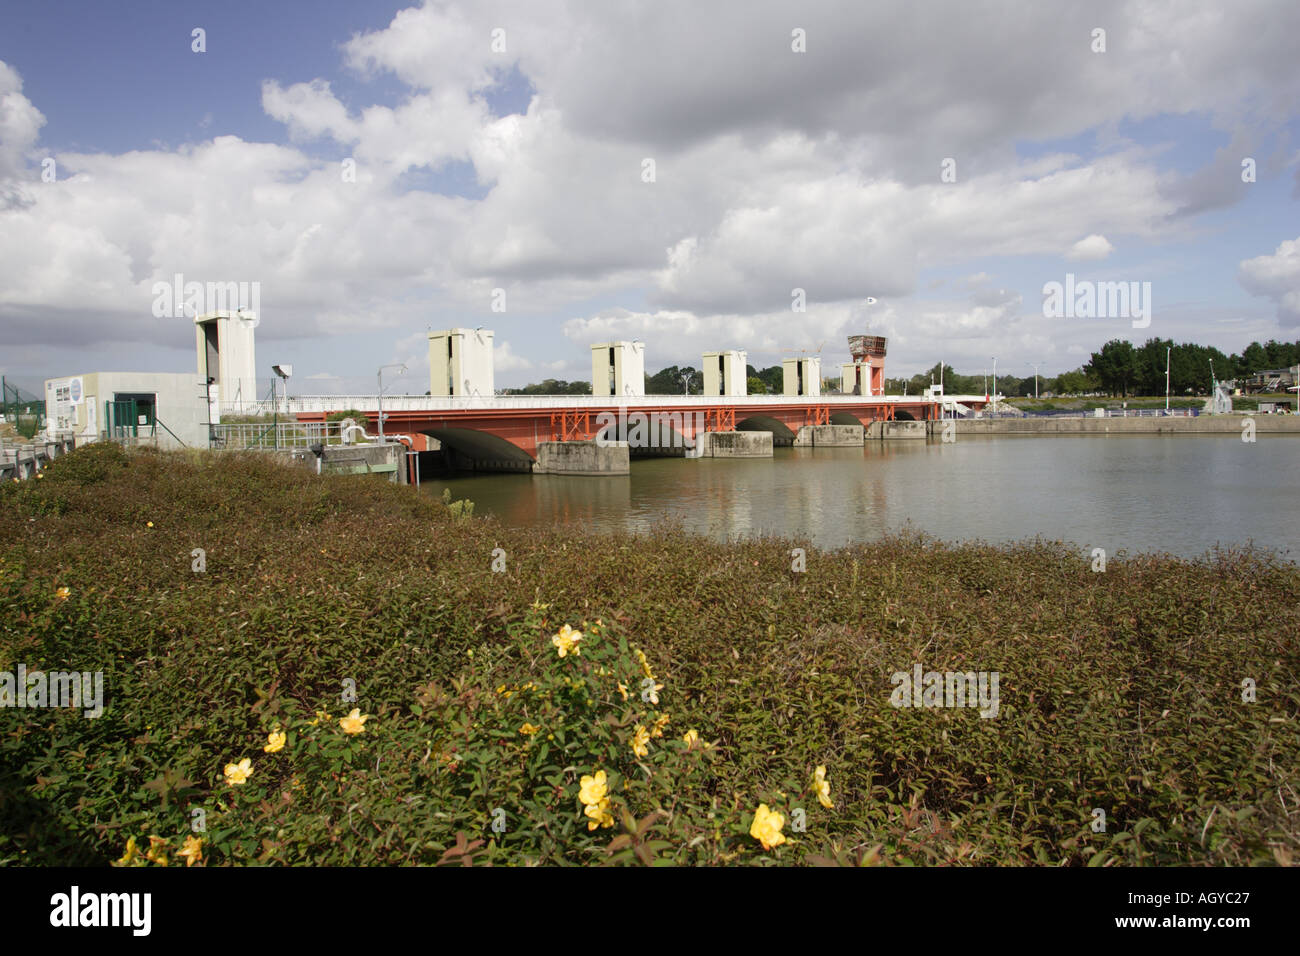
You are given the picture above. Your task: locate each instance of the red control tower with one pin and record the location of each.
(866, 374)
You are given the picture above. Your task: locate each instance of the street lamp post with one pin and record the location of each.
(943, 397)
(381, 396)
(995, 386)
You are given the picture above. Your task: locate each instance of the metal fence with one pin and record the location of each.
(1116, 413)
(262, 436)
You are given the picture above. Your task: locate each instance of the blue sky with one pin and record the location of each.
(515, 164)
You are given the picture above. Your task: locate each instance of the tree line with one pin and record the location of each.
(1118, 368)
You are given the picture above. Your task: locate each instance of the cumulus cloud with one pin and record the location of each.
(20, 125)
(1276, 277)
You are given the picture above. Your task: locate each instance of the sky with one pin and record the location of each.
(568, 173)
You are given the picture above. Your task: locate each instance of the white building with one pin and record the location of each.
(460, 362)
(224, 342)
(725, 373)
(618, 368)
(163, 407)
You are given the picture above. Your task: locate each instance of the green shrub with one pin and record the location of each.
(361, 418)
(1120, 691)
(89, 464)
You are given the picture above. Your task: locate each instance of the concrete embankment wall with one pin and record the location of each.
(1201, 425)
(26, 459)
(387, 459)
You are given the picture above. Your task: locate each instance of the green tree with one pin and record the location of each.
(668, 381)
(1253, 359)
(1115, 367)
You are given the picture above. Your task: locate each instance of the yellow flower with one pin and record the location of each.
(691, 738)
(129, 854)
(528, 728)
(645, 664)
(62, 593)
(148, 524)
(593, 789)
(640, 741)
(822, 788)
(766, 828)
(622, 689)
(155, 852)
(501, 689)
(598, 815)
(567, 641)
(320, 715)
(191, 850)
(652, 692)
(657, 730)
(275, 741)
(238, 773)
(354, 723)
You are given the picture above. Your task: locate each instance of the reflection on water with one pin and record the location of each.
(1183, 495)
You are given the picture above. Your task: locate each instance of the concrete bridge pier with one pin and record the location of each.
(737, 444)
(830, 436)
(899, 431)
(607, 458)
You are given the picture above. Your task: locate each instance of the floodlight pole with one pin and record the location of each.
(381, 396)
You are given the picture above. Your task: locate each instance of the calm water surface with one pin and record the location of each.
(1182, 495)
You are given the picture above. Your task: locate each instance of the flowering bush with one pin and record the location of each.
(563, 735)
(552, 748)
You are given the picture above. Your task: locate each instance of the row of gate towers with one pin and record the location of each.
(461, 364)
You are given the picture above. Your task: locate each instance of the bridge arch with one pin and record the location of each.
(473, 450)
(848, 418)
(782, 434)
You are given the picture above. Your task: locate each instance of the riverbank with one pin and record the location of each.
(1120, 690)
(1135, 425)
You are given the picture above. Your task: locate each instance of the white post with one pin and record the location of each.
(1168, 350)
(995, 386)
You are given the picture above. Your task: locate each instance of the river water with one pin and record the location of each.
(1181, 495)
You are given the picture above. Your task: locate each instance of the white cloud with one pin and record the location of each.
(775, 170)
(1276, 277)
(505, 360)
(20, 124)
(1090, 249)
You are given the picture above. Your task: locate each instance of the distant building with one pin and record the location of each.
(1269, 380)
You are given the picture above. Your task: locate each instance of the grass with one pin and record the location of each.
(1119, 691)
